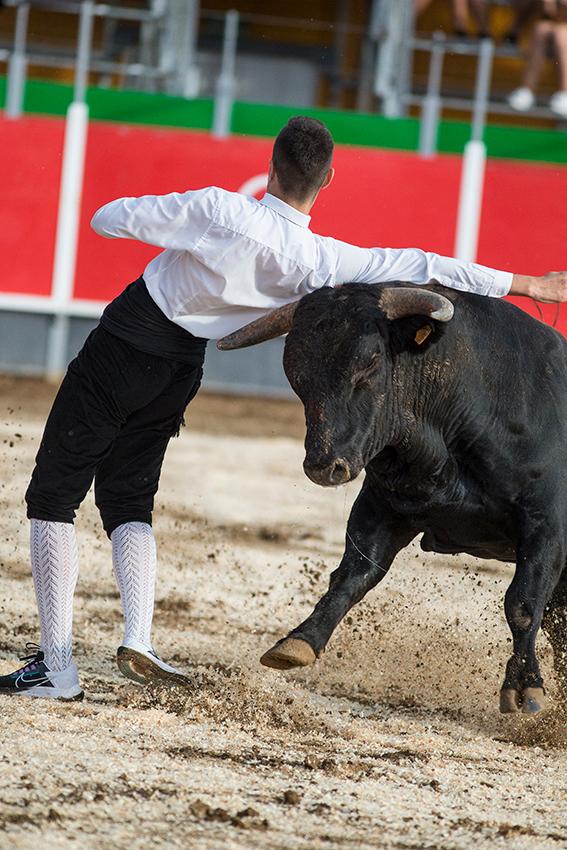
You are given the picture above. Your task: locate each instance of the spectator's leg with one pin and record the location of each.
(420, 6)
(461, 16)
(523, 98)
(479, 10)
(558, 102)
(523, 11)
(560, 37)
(541, 40)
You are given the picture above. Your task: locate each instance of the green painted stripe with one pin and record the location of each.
(133, 107)
(255, 119)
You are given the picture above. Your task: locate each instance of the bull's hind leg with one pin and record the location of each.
(374, 536)
(540, 560)
(555, 627)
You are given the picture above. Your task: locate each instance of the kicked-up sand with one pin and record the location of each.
(391, 740)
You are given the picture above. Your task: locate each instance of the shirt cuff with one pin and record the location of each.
(502, 281)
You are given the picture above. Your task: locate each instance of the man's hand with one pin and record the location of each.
(551, 288)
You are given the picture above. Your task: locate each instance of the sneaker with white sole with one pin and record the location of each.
(521, 99)
(35, 679)
(558, 103)
(140, 663)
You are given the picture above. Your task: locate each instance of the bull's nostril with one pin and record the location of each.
(339, 472)
(332, 474)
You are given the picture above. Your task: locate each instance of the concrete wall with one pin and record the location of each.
(254, 371)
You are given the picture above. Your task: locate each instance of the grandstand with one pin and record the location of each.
(338, 57)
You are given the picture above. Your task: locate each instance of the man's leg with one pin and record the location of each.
(125, 485)
(55, 569)
(102, 385)
(75, 438)
(135, 562)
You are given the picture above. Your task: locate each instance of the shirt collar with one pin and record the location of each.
(286, 210)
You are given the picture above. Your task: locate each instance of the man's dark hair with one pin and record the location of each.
(302, 156)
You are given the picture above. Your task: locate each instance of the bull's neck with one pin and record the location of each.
(425, 414)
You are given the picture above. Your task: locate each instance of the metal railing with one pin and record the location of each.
(26, 52)
(439, 45)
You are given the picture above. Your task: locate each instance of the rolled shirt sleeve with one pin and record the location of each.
(380, 265)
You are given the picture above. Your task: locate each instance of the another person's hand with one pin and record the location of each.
(550, 288)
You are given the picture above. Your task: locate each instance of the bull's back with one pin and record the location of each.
(507, 326)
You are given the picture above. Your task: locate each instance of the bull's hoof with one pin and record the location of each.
(288, 653)
(533, 700)
(529, 701)
(509, 701)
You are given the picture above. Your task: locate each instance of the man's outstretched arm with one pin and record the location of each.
(174, 221)
(550, 288)
(380, 265)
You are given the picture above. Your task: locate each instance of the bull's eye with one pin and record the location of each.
(362, 376)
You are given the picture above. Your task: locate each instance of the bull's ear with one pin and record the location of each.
(400, 301)
(415, 334)
(422, 334)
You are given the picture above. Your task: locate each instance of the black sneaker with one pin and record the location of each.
(35, 679)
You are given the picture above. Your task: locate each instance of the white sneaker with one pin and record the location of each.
(558, 103)
(35, 679)
(521, 99)
(140, 663)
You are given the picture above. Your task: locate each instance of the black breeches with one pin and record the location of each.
(111, 420)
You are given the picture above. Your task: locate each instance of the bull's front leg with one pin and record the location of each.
(374, 537)
(540, 560)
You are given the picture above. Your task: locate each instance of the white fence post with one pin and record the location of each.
(17, 65)
(224, 93)
(431, 109)
(470, 201)
(70, 192)
(474, 161)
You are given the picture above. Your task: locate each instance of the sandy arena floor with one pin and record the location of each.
(393, 740)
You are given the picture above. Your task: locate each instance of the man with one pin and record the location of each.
(227, 260)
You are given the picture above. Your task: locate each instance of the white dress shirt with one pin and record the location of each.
(229, 258)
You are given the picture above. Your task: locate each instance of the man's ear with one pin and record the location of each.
(328, 178)
(271, 171)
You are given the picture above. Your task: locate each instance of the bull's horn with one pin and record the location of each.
(273, 324)
(399, 301)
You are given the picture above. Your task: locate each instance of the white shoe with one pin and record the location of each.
(521, 99)
(140, 663)
(35, 679)
(558, 103)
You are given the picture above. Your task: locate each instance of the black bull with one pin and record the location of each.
(461, 427)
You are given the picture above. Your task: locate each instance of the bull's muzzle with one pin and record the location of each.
(335, 473)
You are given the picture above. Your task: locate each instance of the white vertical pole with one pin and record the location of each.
(188, 72)
(17, 65)
(71, 186)
(431, 109)
(224, 93)
(470, 201)
(474, 162)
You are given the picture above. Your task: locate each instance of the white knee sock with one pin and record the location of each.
(135, 562)
(55, 568)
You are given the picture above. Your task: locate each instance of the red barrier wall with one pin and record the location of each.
(378, 198)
